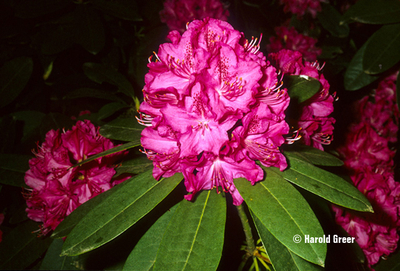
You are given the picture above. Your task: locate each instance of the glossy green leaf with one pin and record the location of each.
(281, 257)
(109, 109)
(144, 254)
(21, 247)
(118, 212)
(324, 184)
(194, 238)
(329, 18)
(14, 75)
(125, 129)
(31, 120)
(124, 9)
(13, 168)
(100, 73)
(66, 226)
(355, 77)
(91, 30)
(32, 9)
(301, 87)
(93, 93)
(135, 166)
(374, 12)
(312, 155)
(53, 261)
(119, 148)
(391, 263)
(383, 49)
(285, 213)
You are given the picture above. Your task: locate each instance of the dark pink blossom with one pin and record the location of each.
(212, 106)
(1, 221)
(177, 13)
(301, 7)
(289, 38)
(57, 188)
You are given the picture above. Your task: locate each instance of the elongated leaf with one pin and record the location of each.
(324, 184)
(144, 254)
(53, 261)
(14, 76)
(13, 168)
(355, 77)
(281, 257)
(93, 93)
(135, 166)
(118, 212)
(126, 10)
(195, 236)
(109, 109)
(285, 213)
(31, 9)
(392, 263)
(123, 147)
(125, 129)
(32, 121)
(20, 247)
(329, 18)
(374, 12)
(66, 226)
(100, 73)
(301, 87)
(91, 30)
(313, 155)
(383, 49)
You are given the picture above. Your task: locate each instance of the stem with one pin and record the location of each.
(250, 247)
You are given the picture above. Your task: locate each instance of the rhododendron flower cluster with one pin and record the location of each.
(369, 157)
(314, 123)
(57, 188)
(212, 108)
(289, 38)
(301, 7)
(178, 13)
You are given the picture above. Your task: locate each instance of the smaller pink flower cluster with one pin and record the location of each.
(289, 38)
(57, 188)
(369, 157)
(301, 7)
(178, 13)
(314, 123)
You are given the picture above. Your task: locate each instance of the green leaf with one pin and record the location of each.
(100, 73)
(125, 129)
(91, 31)
(329, 18)
(118, 212)
(21, 247)
(194, 238)
(53, 261)
(93, 93)
(392, 263)
(301, 87)
(13, 168)
(14, 76)
(324, 184)
(144, 254)
(281, 257)
(109, 109)
(383, 49)
(124, 9)
(32, 121)
(32, 9)
(355, 77)
(134, 166)
(312, 155)
(119, 148)
(285, 213)
(374, 12)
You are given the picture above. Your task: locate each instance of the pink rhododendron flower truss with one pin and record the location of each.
(289, 38)
(368, 155)
(302, 7)
(178, 13)
(212, 107)
(57, 188)
(313, 125)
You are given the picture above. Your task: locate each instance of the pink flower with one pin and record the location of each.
(212, 106)
(57, 188)
(314, 123)
(1, 221)
(300, 7)
(177, 13)
(289, 38)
